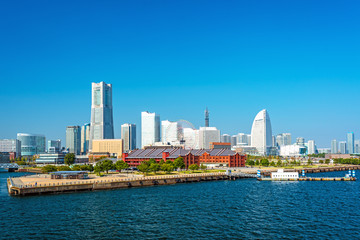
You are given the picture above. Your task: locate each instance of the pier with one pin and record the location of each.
(310, 179)
(24, 186)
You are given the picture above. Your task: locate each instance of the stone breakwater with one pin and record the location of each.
(32, 186)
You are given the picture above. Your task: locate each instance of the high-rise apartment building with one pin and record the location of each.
(73, 139)
(334, 146)
(128, 136)
(233, 140)
(283, 139)
(243, 139)
(101, 124)
(311, 147)
(261, 133)
(300, 141)
(10, 146)
(357, 147)
(85, 138)
(54, 146)
(208, 135)
(31, 144)
(150, 128)
(342, 147)
(226, 138)
(350, 143)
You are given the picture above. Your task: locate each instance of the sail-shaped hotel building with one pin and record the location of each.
(261, 133)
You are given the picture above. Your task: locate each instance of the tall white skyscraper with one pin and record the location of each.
(300, 141)
(342, 147)
(169, 131)
(283, 139)
(128, 135)
(191, 137)
(243, 139)
(208, 135)
(233, 140)
(85, 137)
(150, 128)
(311, 147)
(334, 146)
(101, 124)
(350, 143)
(261, 133)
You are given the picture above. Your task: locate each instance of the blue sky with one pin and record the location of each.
(298, 59)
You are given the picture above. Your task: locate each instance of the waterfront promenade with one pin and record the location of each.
(41, 184)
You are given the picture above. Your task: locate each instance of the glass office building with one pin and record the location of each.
(31, 144)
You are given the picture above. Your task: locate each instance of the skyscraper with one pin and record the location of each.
(283, 139)
(300, 141)
(243, 139)
(225, 138)
(150, 128)
(128, 135)
(54, 146)
(357, 147)
(101, 125)
(85, 137)
(261, 133)
(169, 131)
(234, 140)
(350, 143)
(73, 139)
(208, 135)
(206, 117)
(334, 146)
(311, 147)
(342, 147)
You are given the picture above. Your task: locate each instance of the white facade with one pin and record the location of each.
(357, 147)
(208, 135)
(169, 132)
(101, 124)
(191, 137)
(243, 138)
(300, 141)
(280, 174)
(226, 138)
(150, 128)
(311, 147)
(350, 143)
(85, 138)
(233, 140)
(261, 133)
(10, 145)
(324, 150)
(283, 139)
(292, 150)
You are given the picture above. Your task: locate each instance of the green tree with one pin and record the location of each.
(107, 165)
(264, 162)
(321, 161)
(193, 167)
(309, 162)
(64, 168)
(251, 162)
(121, 165)
(203, 167)
(167, 167)
(279, 163)
(98, 168)
(143, 167)
(272, 164)
(327, 161)
(76, 167)
(87, 168)
(151, 160)
(179, 163)
(49, 168)
(161, 162)
(154, 167)
(69, 158)
(257, 162)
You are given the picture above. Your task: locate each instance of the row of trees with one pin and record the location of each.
(354, 161)
(52, 168)
(265, 163)
(107, 165)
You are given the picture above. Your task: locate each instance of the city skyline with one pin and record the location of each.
(293, 74)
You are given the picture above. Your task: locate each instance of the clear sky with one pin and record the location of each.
(298, 59)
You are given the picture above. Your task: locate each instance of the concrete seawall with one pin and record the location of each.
(267, 172)
(16, 189)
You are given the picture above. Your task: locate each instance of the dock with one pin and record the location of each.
(309, 179)
(20, 187)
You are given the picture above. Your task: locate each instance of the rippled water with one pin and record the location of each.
(207, 210)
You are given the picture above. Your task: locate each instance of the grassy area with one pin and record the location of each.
(178, 173)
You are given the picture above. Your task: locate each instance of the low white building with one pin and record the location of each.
(280, 174)
(292, 150)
